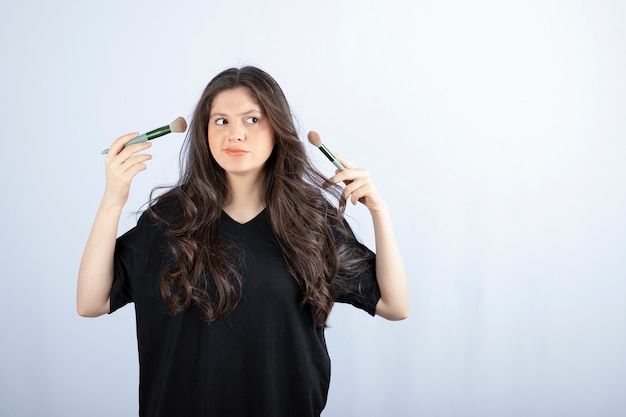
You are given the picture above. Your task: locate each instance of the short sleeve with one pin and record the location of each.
(129, 261)
(356, 282)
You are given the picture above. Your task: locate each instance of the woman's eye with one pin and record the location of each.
(220, 121)
(252, 120)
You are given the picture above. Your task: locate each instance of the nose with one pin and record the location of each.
(236, 133)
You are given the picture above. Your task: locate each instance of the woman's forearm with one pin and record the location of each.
(390, 272)
(95, 275)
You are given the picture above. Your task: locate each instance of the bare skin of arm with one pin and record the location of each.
(390, 272)
(95, 275)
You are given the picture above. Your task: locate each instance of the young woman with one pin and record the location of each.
(234, 271)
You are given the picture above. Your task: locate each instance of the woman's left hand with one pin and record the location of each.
(359, 186)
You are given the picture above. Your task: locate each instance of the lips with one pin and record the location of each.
(235, 152)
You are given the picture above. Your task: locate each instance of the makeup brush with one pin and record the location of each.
(315, 139)
(178, 125)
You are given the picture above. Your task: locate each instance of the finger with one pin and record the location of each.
(124, 171)
(341, 176)
(346, 163)
(129, 165)
(126, 153)
(133, 149)
(117, 146)
(356, 189)
(135, 169)
(353, 197)
(349, 175)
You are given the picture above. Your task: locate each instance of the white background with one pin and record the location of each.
(495, 130)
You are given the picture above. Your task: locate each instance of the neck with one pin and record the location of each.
(244, 201)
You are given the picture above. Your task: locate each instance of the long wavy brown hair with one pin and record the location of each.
(306, 225)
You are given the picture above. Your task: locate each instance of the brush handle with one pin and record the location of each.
(141, 138)
(153, 134)
(331, 157)
(338, 164)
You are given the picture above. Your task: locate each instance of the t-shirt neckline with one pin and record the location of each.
(231, 220)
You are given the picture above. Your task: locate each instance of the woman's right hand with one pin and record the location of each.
(121, 166)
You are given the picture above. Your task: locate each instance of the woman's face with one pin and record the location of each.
(241, 138)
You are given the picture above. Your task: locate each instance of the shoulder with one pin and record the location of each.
(163, 211)
(153, 222)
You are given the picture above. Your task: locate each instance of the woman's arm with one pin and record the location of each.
(95, 275)
(390, 272)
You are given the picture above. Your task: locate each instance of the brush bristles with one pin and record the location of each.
(178, 125)
(315, 139)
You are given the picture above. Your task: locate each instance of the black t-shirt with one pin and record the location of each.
(266, 358)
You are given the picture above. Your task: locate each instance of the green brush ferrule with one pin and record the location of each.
(158, 132)
(331, 157)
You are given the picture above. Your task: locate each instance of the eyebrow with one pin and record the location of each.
(245, 113)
